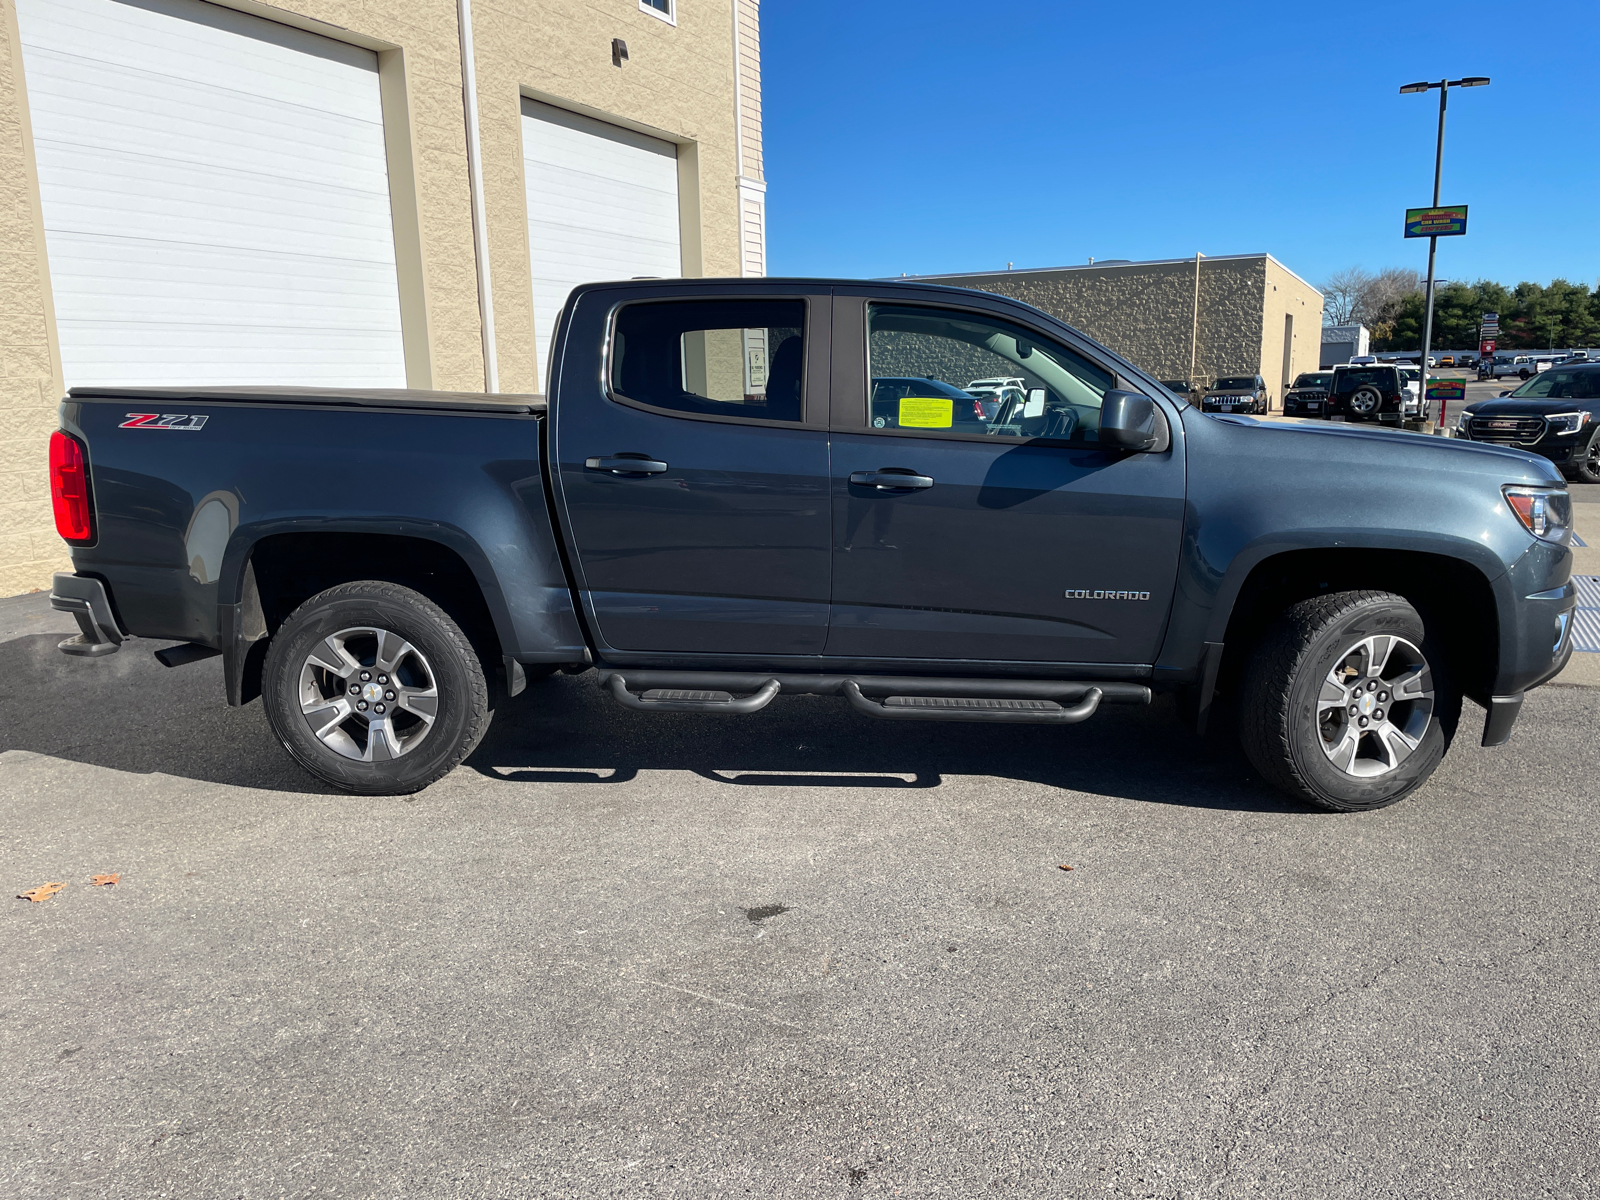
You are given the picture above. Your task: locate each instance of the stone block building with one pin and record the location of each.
(1180, 318)
(378, 193)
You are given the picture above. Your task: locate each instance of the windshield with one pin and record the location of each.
(1313, 381)
(1238, 383)
(1562, 385)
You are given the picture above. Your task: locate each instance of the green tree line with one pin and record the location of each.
(1533, 316)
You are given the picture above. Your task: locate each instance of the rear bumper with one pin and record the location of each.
(85, 597)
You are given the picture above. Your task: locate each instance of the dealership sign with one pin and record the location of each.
(1447, 389)
(1436, 222)
(1486, 346)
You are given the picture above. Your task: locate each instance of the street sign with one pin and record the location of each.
(1447, 389)
(1436, 222)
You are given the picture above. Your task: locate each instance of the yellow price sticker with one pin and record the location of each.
(926, 412)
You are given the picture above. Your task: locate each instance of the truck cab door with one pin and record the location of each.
(690, 447)
(1014, 538)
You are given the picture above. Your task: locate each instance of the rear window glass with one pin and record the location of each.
(1349, 381)
(740, 358)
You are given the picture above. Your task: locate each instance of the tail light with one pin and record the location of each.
(69, 488)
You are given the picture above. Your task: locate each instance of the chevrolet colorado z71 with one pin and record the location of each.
(716, 505)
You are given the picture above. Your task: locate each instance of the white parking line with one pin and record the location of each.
(1586, 617)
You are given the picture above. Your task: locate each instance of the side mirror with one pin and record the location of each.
(1034, 405)
(1131, 421)
(1505, 393)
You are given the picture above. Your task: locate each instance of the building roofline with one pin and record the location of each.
(1110, 266)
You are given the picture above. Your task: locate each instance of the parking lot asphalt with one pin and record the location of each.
(790, 955)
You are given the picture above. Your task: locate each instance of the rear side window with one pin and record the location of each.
(732, 358)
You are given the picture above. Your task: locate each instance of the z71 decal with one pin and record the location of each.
(163, 421)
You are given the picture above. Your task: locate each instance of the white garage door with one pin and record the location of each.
(602, 204)
(215, 195)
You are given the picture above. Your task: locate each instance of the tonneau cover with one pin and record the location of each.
(501, 403)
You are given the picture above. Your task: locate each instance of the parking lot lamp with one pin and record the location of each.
(1444, 86)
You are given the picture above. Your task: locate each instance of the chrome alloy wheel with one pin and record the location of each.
(368, 694)
(1365, 400)
(1374, 706)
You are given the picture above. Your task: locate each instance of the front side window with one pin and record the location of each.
(728, 358)
(941, 370)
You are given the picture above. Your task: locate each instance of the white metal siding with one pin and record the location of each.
(215, 197)
(602, 205)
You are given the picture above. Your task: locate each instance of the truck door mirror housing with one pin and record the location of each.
(1131, 421)
(1034, 406)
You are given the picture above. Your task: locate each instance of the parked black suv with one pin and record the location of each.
(1367, 393)
(1556, 414)
(1308, 395)
(1236, 394)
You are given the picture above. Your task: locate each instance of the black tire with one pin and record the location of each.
(1291, 736)
(441, 667)
(1585, 466)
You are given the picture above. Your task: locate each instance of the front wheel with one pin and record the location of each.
(1585, 466)
(373, 688)
(1348, 702)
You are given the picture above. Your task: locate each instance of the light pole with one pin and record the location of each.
(1444, 86)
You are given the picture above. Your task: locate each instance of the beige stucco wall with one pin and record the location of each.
(30, 371)
(678, 83)
(1287, 295)
(1146, 312)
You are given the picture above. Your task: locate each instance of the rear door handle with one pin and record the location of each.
(891, 479)
(626, 464)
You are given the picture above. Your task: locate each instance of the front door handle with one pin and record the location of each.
(892, 479)
(626, 464)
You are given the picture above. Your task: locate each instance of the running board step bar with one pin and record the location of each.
(894, 698)
(706, 700)
(968, 708)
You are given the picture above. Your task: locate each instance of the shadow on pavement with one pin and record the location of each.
(565, 730)
(129, 713)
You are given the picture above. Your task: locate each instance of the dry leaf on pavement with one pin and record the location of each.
(41, 893)
(104, 880)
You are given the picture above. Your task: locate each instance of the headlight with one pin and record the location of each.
(1463, 420)
(1544, 512)
(1568, 422)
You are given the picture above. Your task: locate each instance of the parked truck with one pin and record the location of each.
(716, 506)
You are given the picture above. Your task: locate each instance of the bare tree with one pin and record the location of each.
(1380, 302)
(1357, 295)
(1341, 295)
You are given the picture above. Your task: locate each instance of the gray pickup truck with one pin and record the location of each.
(716, 505)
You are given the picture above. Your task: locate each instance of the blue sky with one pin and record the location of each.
(942, 136)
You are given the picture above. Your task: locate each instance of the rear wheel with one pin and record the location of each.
(373, 688)
(1347, 702)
